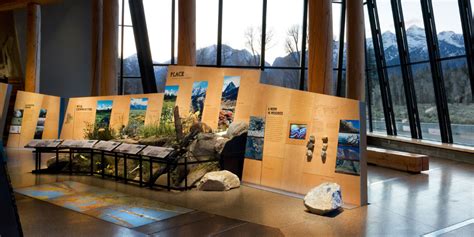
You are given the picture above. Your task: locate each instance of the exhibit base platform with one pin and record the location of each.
(346, 206)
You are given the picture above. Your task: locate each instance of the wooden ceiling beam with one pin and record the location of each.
(7, 5)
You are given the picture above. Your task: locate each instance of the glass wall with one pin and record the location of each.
(207, 17)
(129, 72)
(240, 42)
(422, 78)
(455, 72)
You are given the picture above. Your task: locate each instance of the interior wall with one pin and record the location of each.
(65, 47)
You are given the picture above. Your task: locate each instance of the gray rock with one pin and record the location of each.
(198, 171)
(203, 148)
(236, 129)
(220, 144)
(324, 198)
(219, 181)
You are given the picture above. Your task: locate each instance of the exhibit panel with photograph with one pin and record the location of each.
(15, 125)
(235, 103)
(198, 97)
(138, 107)
(255, 138)
(169, 101)
(111, 117)
(40, 124)
(230, 92)
(35, 116)
(348, 147)
(103, 112)
(298, 121)
(298, 131)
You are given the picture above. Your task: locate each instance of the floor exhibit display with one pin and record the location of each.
(35, 116)
(296, 140)
(282, 121)
(115, 112)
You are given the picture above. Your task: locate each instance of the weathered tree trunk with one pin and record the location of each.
(177, 124)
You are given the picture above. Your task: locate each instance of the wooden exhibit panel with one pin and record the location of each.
(284, 163)
(81, 112)
(5, 91)
(185, 77)
(30, 104)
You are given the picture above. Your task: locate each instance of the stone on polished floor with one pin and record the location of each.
(324, 198)
(219, 181)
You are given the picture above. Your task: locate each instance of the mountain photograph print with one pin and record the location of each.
(230, 91)
(103, 113)
(137, 114)
(198, 97)
(171, 93)
(40, 124)
(15, 126)
(255, 138)
(348, 150)
(297, 131)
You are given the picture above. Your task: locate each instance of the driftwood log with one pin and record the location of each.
(178, 124)
(174, 156)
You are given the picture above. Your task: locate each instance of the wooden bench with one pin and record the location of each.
(399, 160)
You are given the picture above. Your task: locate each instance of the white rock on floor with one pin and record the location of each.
(219, 181)
(324, 198)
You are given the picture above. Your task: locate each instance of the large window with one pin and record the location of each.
(270, 35)
(129, 73)
(207, 17)
(452, 59)
(422, 78)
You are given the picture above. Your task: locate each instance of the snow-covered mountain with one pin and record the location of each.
(450, 44)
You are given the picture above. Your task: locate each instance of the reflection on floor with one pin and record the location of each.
(115, 207)
(401, 204)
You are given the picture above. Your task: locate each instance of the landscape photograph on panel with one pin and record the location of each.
(230, 91)
(255, 138)
(297, 131)
(103, 113)
(169, 101)
(40, 124)
(198, 97)
(137, 113)
(348, 150)
(171, 93)
(15, 126)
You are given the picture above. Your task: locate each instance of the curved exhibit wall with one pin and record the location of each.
(296, 140)
(35, 116)
(282, 122)
(114, 111)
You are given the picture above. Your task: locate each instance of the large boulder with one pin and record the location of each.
(203, 148)
(324, 198)
(236, 129)
(198, 171)
(219, 181)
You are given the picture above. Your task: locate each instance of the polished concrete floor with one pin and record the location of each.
(401, 204)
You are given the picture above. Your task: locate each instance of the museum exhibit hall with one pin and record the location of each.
(237, 118)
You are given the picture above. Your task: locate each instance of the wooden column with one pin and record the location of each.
(109, 57)
(320, 47)
(97, 27)
(33, 48)
(355, 76)
(187, 32)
